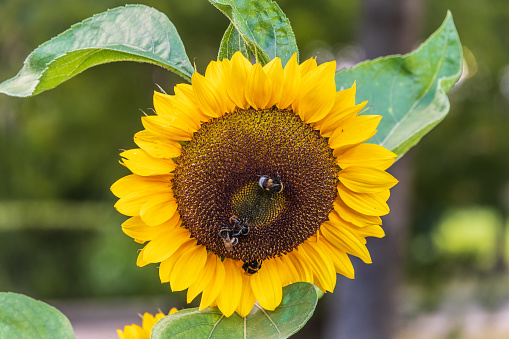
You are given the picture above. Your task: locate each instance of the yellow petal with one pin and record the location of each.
(229, 296)
(366, 179)
(168, 106)
(216, 73)
(158, 209)
(187, 101)
(300, 261)
(137, 229)
(131, 332)
(307, 66)
(275, 73)
(165, 269)
(334, 217)
(258, 88)
(321, 264)
(361, 231)
(369, 231)
(162, 247)
(157, 146)
(336, 116)
(210, 293)
(204, 278)
(237, 79)
(247, 298)
(344, 104)
(135, 183)
(140, 262)
(283, 271)
(139, 162)
(370, 155)
(366, 203)
(208, 98)
(186, 269)
(353, 131)
(304, 271)
(131, 204)
(292, 274)
(148, 321)
(354, 217)
(167, 265)
(343, 238)
(167, 127)
(346, 97)
(292, 80)
(317, 94)
(267, 287)
(342, 263)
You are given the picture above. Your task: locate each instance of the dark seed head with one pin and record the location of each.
(218, 177)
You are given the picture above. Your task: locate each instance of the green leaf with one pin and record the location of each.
(263, 27)
(23, 317)
(298, 305)
(231, 43)
(409, 91)
(131, 33)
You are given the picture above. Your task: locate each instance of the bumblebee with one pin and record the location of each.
(273, 185)
(239, 227)
(251, 267)
(226, 233)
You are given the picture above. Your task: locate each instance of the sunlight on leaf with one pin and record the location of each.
(26, 318)
(131, 33)
(409, 91)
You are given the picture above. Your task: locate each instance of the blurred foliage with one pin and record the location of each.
(463, 165)
(61, 249)
(59, 233)
(469, 233)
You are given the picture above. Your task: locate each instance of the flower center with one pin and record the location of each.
(257, 206)
(254, 185)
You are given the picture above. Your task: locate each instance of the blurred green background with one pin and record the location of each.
(60, 236)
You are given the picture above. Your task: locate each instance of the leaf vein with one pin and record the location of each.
(214, 327)
(270, 319)
(391, 109)
(245, 327)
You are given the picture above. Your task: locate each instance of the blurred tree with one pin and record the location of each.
(469, 149)
(365, 308)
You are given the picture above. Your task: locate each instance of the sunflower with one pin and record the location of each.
(148, 321)
(253, 178)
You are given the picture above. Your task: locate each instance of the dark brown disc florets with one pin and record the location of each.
(224, 195)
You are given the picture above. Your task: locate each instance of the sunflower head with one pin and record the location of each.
(253, 178)
(241, 177)
(142, 332)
